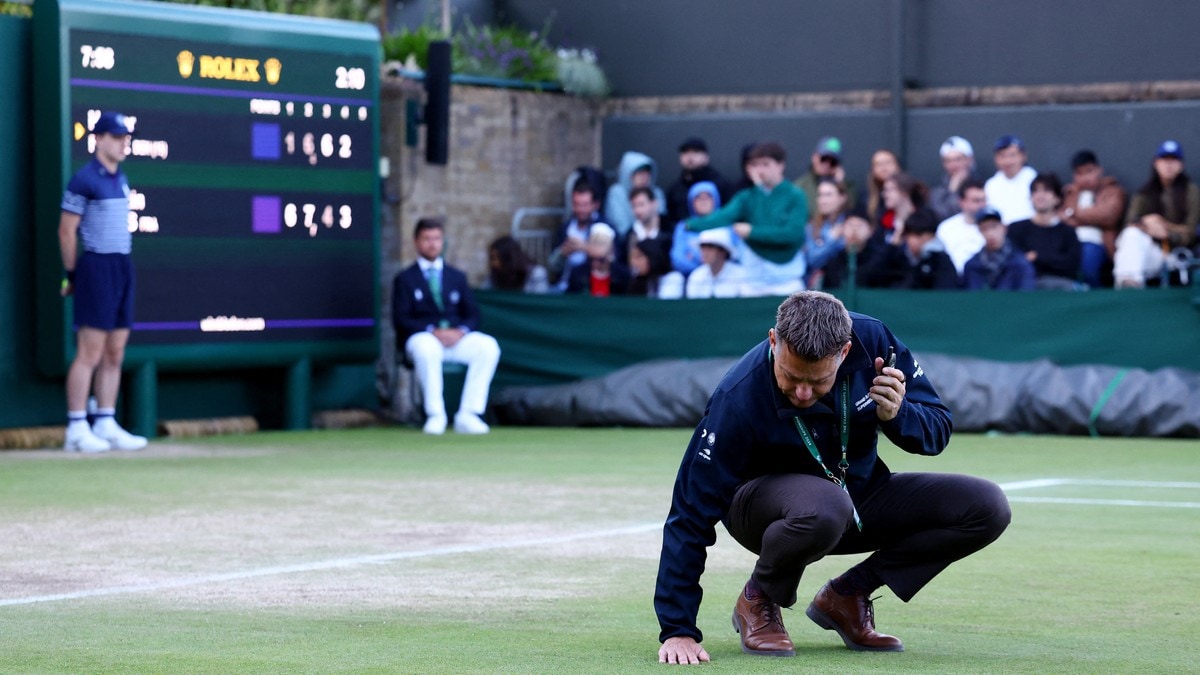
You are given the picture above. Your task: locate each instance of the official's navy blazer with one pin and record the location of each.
(413, 308)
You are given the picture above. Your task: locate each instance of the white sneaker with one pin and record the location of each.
(81, 439)
(469, 423)
(436, 425)
(108, 429)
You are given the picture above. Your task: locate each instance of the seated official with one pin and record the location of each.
(437, 320)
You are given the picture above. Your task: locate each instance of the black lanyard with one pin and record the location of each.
(844, 427)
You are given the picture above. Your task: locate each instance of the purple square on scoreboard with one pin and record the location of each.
(264, 140)
(267, 214)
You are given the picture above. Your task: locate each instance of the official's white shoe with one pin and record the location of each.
(436, 425)
(469, 423)
(108, 429)
(81, 439)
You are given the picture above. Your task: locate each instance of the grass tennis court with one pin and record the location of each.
(535, 550)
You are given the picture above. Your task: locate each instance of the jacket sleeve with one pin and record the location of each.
(704, 488)
(923, 425)
(1106, 212)
(729, 214)
(404, 315)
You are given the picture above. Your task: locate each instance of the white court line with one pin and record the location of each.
(331, 564)
(1052, 482)
(1103, 502)
(1036, 483)
(633, 529)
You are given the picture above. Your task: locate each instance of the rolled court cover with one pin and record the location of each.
(1030, 397)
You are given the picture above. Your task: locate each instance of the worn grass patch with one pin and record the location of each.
(535, 550)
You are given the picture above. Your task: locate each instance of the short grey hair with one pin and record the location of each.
(814, 325)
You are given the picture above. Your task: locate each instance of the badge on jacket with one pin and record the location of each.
(418, 294)
(454, 297)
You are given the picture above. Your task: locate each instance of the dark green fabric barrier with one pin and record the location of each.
(555, 339)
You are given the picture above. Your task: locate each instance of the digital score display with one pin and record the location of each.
(254, 171)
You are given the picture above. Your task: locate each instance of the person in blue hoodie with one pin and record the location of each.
(786, 458)
(635, 170)
(703, 198)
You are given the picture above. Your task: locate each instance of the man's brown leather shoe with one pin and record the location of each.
(757, 620)
(853, 617)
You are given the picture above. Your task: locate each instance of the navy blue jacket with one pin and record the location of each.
(413, 308)
(748, 431)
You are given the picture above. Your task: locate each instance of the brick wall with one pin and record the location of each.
(508, 149)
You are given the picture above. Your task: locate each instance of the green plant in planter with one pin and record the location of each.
(415, 43)
(504, 52)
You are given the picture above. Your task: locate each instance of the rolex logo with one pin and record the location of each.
(273, 66)
(186, 61)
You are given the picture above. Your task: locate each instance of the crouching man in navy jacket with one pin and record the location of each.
(786, 457)
(436, 320)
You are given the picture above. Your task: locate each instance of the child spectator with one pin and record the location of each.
(999, 266)
(719, 276)
(928, 265)
(703, 198)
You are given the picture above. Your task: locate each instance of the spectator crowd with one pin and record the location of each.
(704, 235)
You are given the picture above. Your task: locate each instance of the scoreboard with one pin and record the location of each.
(254, 175)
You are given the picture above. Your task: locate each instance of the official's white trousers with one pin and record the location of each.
(480, 353)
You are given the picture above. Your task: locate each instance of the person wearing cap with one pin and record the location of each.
(1094, 205)
(958, 166)
(437, 320)
(694, 168)
(602, 274)
(635, 170)
(1049, 244)
(959, 233)
(95, 218)
(826, 162)
(1161, 221)
(928, 268)
(719, 276)
(999, 265)
(1008, 190)
(770, 219)
(788, 458)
